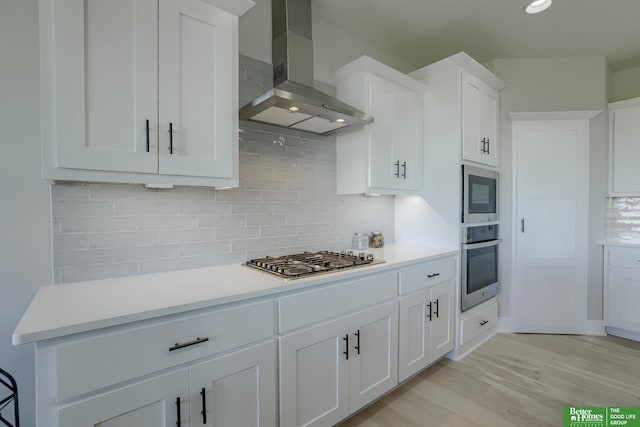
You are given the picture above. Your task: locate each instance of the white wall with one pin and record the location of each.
(332, 47)
(555, 84)
(25, 262)
(625, 84)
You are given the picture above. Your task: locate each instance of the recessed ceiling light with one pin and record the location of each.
(537, 6)
(293, 109)
(339, 120)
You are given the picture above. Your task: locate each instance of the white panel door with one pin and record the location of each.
(314, 378)
(198, 105)
(373, 356)
(488, 125)
(382, 156)
(551, 194)
(106, 84)
(150, 403)
(414, 337)
(442, 303)
(238, 389)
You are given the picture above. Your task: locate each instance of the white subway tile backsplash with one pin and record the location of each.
(170, 264)
(81, 208)
(122, 239)
(146, 207)
(286, 202)
(203, 207)
(138, 253)
(84, 257)
(69, 242)
(167, 222)
(183, 236)
(279, 230)
(96, 224)
(230, 233)
(209, 221)
(216, 247)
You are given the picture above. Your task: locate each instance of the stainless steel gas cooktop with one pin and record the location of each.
(311, 263)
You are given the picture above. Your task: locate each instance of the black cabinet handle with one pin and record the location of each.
(522, 225)
(484, 145)
(429, 276)
(198, 340)
(437, 310)
(178, 408)
(147, 130)
(488, 146)
(346, 353)
(430, 312)
(483, 322)
(203, 393)
(404, 170)
(397, 165)
(170, 138)
(357, 347)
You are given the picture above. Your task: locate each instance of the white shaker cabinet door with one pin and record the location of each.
(150, 403)
(314, 378)
(414, 334)
(622, 299)
(479, 121)
(238, 389)
(373, 355)
(624, 128)
(442, 330)
(198, 79)
(106, 83)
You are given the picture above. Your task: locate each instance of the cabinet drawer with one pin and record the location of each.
(624, 257)
(426, 275)
(314, 306)
(106, 360)
(481, 322)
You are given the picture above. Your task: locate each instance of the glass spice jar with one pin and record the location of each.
(360, 241)
(376, 239)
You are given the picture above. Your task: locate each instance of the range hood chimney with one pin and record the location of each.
(293, 102)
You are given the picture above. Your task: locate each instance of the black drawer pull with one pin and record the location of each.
(147, 135)
(178, 410)
(483, 322)
(203, 393)
(170, 138)
(429, 276)
(198, 340)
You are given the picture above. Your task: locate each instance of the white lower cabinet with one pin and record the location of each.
(214, 368)
(234, 390)
(426, 327)
(622, 291)
(333, 369)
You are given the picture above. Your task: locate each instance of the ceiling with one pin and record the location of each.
(423, 31)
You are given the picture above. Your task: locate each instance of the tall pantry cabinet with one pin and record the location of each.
(140, 90)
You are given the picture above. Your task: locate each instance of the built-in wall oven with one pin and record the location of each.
(479, 264)
(479, 195)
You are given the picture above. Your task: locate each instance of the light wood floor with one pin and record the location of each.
(514, 380)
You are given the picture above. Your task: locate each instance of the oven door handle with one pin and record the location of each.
(495, 242)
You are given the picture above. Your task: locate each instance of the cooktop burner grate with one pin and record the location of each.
(311, 263)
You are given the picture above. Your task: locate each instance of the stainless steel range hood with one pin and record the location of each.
(294, 102)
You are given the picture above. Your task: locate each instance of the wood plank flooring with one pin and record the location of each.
(514, 380)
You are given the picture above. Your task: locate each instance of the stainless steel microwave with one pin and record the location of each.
(479, 195)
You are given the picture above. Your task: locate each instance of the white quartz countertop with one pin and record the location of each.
(621, 243)
(62, 310)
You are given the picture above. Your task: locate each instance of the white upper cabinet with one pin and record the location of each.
(463, 97)
(479, 121)
(624, 147)
(385, 156)
(140, 91)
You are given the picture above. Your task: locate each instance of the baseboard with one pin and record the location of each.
(504, 325)
(595, 327)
